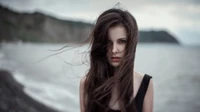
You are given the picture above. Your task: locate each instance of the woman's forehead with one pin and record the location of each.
(117, 32)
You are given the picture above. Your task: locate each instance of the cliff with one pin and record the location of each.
(38, 27)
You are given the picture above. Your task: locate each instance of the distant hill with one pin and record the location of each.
(38, 27)
(156, 37)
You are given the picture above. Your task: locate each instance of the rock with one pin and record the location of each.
(14, 99)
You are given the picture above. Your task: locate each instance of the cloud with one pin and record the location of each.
(170, 2)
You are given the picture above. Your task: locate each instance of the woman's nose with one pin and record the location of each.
(114, 48)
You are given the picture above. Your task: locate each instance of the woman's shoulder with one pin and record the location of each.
(139, 76)
(81, 90)
(82, 80)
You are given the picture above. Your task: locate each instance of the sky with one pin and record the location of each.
(181, 18)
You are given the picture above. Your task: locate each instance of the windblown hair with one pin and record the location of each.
(100, 77)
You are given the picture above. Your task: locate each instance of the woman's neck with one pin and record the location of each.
(115, 69)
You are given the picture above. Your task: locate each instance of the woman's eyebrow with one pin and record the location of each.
(122, 38)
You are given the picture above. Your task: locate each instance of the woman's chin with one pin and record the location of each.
(115, 64)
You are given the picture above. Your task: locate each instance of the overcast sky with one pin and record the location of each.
(181, 18)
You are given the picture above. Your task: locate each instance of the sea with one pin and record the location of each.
(51, 73)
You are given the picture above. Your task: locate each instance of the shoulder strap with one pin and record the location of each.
(142, 91)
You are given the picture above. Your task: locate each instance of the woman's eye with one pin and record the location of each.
(122, 41)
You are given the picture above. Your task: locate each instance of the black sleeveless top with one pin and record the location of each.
(139, 98)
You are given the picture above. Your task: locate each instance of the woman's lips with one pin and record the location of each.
(115, 59)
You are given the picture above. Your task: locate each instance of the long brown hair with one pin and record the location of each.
(100, 77)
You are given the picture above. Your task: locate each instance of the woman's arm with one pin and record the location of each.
(81, 91)
(148, 99)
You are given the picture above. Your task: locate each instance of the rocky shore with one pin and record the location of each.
(14, 99)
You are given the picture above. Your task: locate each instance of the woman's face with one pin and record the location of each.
(116, 45)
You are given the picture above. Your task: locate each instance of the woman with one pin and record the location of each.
(111, 84)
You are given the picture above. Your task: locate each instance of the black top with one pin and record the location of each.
(140, 95)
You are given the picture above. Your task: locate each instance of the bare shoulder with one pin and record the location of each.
(138, 77)
(149, 98)
(81, 90)
(82, 81)
(82, 85)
